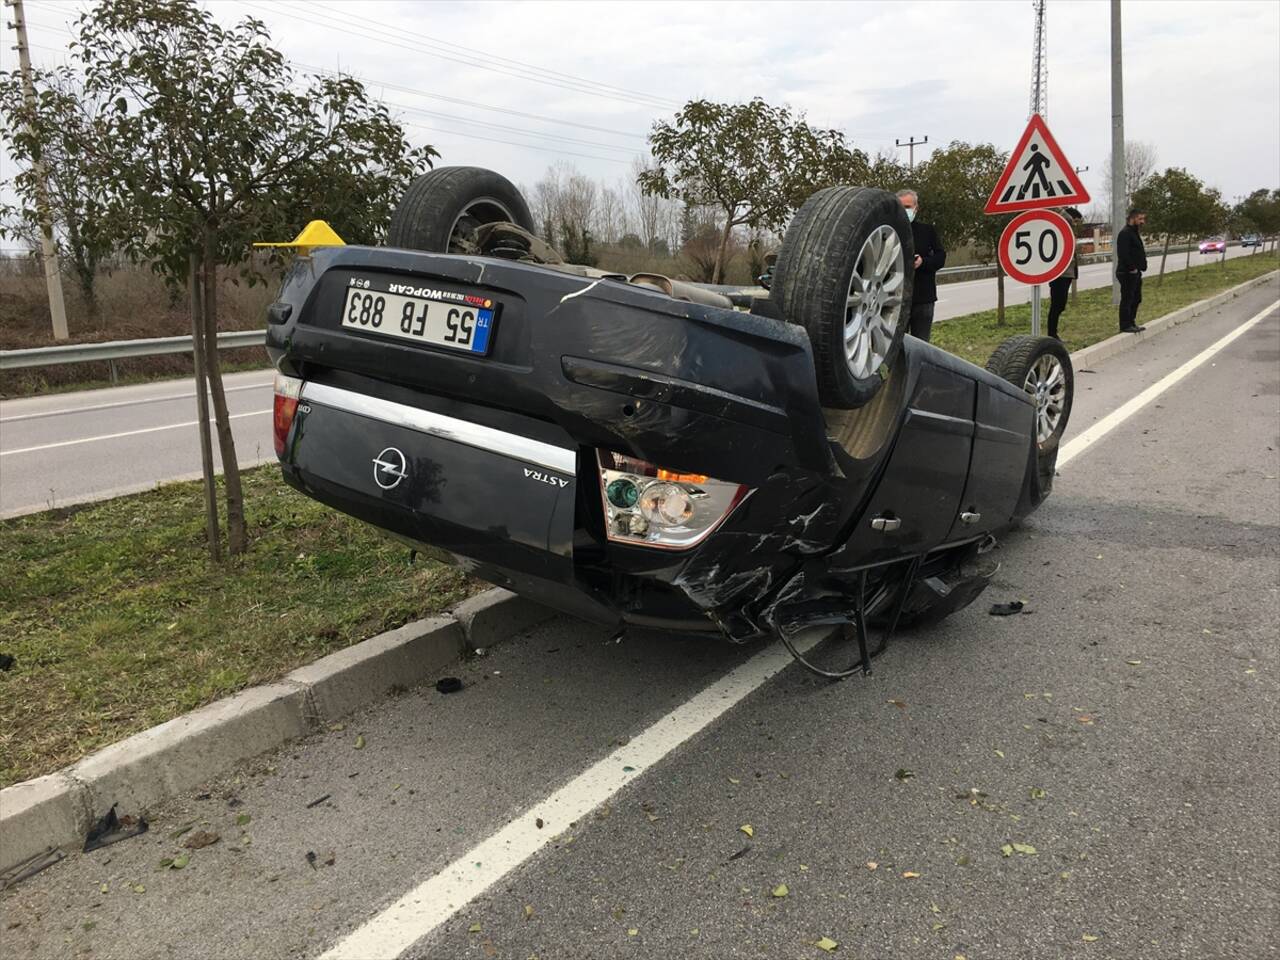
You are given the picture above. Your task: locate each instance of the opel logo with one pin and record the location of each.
(389, 468)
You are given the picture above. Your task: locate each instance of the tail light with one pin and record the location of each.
(288, 390)
(652, 507)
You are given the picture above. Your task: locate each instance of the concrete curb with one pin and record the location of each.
(55, 811)
(1126, 341)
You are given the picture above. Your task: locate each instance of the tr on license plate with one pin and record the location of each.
(456, 326)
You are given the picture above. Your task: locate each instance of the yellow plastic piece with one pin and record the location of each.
(317, 233)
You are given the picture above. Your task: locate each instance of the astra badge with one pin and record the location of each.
(545, 478)
(389, 468)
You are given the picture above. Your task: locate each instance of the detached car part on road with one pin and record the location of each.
(637, 450)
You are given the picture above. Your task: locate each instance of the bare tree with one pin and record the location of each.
(1139, 165)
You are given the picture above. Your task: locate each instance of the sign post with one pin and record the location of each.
(1038, 244)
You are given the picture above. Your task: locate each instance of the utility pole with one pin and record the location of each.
(1118, 198)
(911, 145)
(48, 253)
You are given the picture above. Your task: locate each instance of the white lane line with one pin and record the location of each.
(1081, 442)
(431, 903)
(126, 403)
(125, 433)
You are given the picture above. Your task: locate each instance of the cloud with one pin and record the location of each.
(1201, 81)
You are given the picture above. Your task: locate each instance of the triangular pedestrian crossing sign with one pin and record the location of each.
(1038, 175)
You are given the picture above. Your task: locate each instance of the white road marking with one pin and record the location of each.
(126, 433)
(1081, 442)
(266, 385)
(431, 903)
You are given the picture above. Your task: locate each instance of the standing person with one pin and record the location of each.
(930, 257)
(1131, 261)
(1059, 288)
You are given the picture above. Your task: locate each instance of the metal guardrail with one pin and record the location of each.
(113, 350)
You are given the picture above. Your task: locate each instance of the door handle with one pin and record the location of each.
(970, 517)
(885, 524)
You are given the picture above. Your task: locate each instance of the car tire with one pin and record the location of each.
(443, 206)
(1041, 366)
(844, 274)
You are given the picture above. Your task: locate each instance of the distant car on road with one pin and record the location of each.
(1253, 240)
(1213, 245)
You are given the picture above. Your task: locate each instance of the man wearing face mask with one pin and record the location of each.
(929, 259)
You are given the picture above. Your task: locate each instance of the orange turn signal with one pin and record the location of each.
(674, 477)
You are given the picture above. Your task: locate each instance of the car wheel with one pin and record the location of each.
(1042, 367)
(442, 209)
(844, 274)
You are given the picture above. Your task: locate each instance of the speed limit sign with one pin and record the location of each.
(1037, 246)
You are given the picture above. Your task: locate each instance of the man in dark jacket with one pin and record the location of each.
(1059, 288)
(1131, 261)
(929, 259)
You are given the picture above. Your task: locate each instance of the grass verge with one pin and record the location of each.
(1092, 317)
(119, 621)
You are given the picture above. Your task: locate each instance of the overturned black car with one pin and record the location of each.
(635, 450)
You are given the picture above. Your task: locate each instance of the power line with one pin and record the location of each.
(489, 57)
(373, 33)
(511, 143)
(523, 131)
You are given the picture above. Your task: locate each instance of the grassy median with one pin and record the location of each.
(1092, 317)
(117, 619)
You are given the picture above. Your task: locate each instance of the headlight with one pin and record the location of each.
(649, 506)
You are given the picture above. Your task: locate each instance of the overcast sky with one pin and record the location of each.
(1202, 79)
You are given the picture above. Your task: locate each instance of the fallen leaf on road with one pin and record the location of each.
(1134, 663)
(1089, 938)
(903, 774)
(1006, 850)
(749, 830)
(897, 703)
(1025, 849)
(1085, 719)
(474, 928)
(871, 864)
(139, 888)
(103, 888)
(199, 839)
(780, 890)
(360, 741)
(734, 781)
(633, 932)
(243, 820)
(528, 911)
(909, 875)
(1000, 754)
(180, 862)
(1037, 793)
(827, 944)
(180, 831)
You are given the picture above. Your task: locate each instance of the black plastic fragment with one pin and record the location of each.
(1006, 609)
(448, 685)
(109, 829)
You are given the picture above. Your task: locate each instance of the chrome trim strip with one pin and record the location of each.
(447, 428)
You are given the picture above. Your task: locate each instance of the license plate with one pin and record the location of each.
(440, 323)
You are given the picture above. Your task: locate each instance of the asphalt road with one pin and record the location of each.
(74, 447)
(1124, 729)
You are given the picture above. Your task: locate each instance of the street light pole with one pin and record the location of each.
(1118, 198)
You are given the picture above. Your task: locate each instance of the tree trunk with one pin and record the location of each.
(1190, 244)
(717, 275)
(236, 539)
(194, 284)
(1164, 255)
(999, 294)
